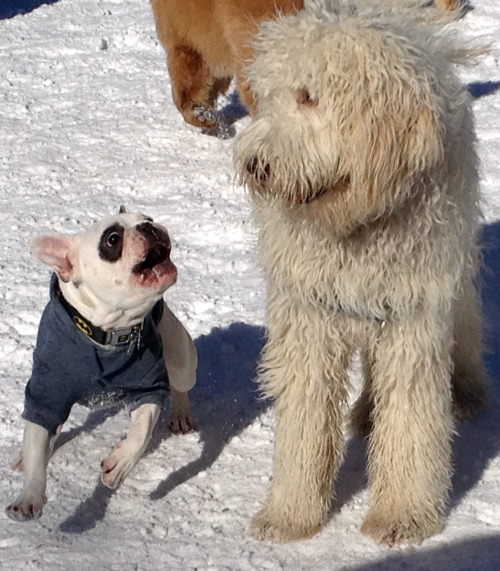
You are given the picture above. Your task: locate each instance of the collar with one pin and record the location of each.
(119, 337)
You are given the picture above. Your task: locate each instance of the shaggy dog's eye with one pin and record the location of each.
(304, 98)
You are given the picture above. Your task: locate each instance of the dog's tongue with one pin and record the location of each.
(157, 268)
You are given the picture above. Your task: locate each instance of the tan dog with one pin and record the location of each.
(364, 177)
(208, 42)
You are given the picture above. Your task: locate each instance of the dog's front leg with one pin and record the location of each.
(35, 457)
(117, 466)
(305, 369)
(194, 89)
(410, 443)
(179, 353)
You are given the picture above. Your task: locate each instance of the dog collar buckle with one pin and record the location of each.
(123, 335)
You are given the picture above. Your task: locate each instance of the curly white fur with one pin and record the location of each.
(363, 172)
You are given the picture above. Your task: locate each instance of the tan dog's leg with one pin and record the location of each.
(471, 392)
(194, 90)
(37, 447)
(410, 444)
(117, 466)
(179, 353)
(305, 370)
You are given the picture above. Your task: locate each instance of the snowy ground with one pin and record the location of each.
(87, 123)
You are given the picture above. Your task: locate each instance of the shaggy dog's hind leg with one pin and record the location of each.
(410, 444)
(307, 375)
(471, 391)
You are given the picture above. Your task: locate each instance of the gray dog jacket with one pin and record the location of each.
(69, 368)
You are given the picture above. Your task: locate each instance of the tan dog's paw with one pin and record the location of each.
(271, 527)
(27, 507)
(388, 531)
(180, 420)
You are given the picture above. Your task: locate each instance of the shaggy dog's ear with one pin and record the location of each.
(422, 144)
(393, 146)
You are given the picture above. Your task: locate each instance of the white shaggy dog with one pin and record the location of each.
(363, 174)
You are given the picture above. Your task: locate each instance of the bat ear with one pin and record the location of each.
(122, 210)
(57, 252)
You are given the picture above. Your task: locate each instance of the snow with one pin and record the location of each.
(87, 123)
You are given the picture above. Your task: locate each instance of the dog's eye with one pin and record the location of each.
(304, 99)
(111, 243)
(113, 239)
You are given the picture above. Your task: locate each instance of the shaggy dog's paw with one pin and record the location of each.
(391, 532)
(270, 527)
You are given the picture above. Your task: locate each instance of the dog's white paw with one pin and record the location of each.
(117, 466)
(391, 531)
(27, 507)
(270, 526)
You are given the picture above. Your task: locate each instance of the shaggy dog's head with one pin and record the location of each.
(355, 104)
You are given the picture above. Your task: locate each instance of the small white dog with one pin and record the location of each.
(106, 335)
(363, 172)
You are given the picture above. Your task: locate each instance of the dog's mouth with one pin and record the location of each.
(156, 268)
(263, 182)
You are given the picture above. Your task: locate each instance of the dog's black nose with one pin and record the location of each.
(148, 229)
(257, 170)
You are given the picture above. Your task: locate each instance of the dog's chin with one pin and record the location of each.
(156, 270)
(295, 196)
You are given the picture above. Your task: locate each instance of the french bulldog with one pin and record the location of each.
(105, 336)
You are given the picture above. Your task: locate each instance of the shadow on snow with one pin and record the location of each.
(476, 553)
(11, 8)
(226, 401)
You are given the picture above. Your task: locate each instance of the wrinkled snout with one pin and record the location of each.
(153, 233)
(154, 268)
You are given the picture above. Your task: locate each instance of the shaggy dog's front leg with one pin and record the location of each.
(304, 369)
(410, 443)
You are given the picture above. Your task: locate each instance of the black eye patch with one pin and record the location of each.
(111, 243)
